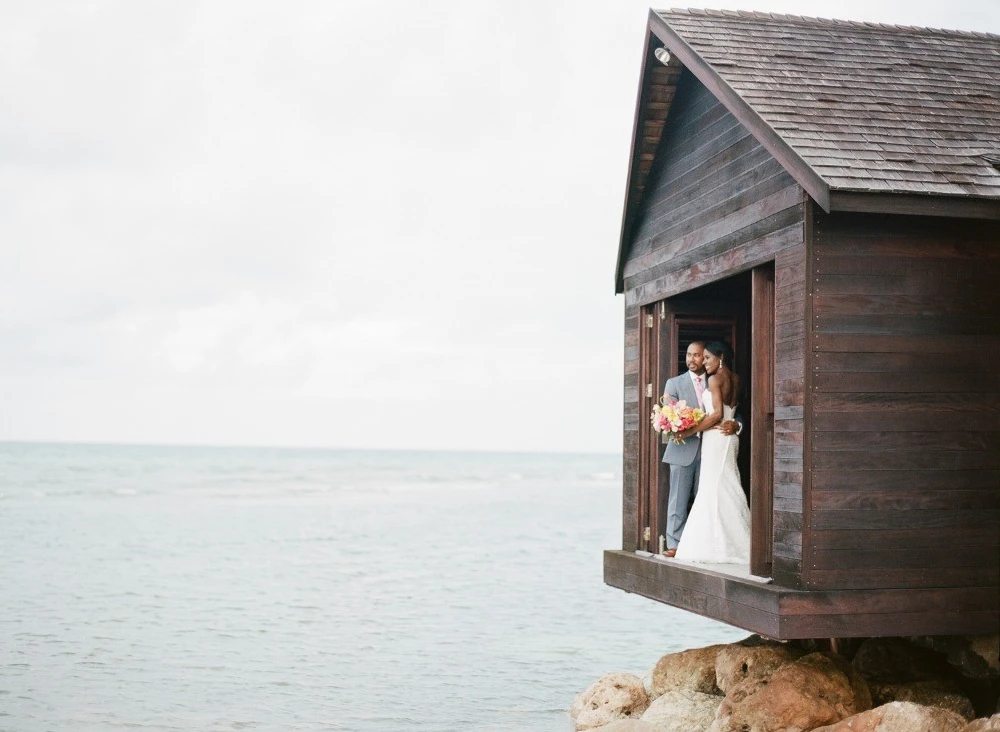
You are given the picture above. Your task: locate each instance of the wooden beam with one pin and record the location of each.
(785, 613)
(913, 204)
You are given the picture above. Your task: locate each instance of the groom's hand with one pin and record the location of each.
(729, 427)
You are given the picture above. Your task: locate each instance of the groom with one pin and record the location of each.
(685, 458)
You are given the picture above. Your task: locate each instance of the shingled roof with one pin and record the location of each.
(868, 107)
(849, 108)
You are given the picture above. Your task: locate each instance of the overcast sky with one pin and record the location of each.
(345, 224)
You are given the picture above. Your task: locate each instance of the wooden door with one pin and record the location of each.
(679, 325)
(762, 421)
(649, 450)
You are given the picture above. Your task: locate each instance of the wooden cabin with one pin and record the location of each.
(824, 195)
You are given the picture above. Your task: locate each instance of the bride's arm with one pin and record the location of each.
(712, 418)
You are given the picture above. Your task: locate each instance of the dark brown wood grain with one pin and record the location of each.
(903, 480)
(920, 622)
(742, 165)
(972, 439)
(867, 578)
(762, 439)
(887, 602)
(914, 325)
(740, 257)
(915, 205)
(918, 539)
(955, 346)
(932, 382)
(959, 520)
(873, 558)
(871, 459)
(785, 570)
(882, 406)
(680, 230)
(905, 303)
(754, 214)
(904, 497)
(908, 363)
(645, 481)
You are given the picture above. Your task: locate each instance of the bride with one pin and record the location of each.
(718, 527)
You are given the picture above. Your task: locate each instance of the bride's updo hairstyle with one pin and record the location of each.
(722, 352)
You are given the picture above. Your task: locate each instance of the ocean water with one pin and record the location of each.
(206, 588)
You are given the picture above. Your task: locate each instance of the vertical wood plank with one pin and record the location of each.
(643, 476)
(811, 235)
(762, 422)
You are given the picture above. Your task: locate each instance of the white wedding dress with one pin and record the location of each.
(718, 526)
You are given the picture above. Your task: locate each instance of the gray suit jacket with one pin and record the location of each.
(681, 388)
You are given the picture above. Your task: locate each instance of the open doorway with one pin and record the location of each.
(738, 310)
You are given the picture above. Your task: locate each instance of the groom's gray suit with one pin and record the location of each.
(685, 463)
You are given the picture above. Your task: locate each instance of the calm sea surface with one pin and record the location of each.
(187, 588)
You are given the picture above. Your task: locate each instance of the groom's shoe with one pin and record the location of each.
(669, 553)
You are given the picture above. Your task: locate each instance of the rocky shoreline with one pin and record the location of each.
(926, 684)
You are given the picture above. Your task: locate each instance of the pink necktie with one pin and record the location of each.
(699, 389)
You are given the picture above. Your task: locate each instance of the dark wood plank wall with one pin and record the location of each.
(630, 446)
(904, 449)
(789, 400)
(716, 203)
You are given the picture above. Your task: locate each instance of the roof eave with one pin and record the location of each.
(634, 162)
(914, 204)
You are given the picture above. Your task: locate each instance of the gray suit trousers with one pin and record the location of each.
(685, 461)
(683, 487)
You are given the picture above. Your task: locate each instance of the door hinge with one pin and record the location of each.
(649, 321)
(646, 533)
(649, 390)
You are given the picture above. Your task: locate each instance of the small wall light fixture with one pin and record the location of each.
(662, 55)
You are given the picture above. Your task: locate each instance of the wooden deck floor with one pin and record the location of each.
(728, 594)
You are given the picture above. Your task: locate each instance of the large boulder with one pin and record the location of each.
(682, 711)
(899, 717)
(611, 697)
(753, 658)
(692, 670)
(814, 690)
(627, 725)
(973, 656)
(941, 694)
(897, 661)
(984, 725)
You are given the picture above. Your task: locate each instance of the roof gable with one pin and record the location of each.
(850, 109)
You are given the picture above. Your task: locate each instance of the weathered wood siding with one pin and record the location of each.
(716, 203)
(630, 446)
(789, 401)
(904, 402)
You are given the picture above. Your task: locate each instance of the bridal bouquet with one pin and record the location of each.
(671, 417)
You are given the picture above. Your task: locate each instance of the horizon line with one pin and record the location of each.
(98, 443)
